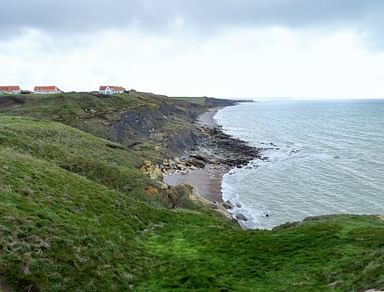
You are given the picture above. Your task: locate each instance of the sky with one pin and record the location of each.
(223, 48)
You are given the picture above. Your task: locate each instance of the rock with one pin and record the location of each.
(163, 186)
(196, 163)
(200, 157)
(155, 173)
(241, 217)
(227, 205)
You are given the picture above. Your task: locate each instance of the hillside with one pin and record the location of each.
(76, 214)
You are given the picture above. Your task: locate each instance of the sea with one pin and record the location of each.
(320, 158)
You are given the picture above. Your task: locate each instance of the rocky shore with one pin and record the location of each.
(215, 154)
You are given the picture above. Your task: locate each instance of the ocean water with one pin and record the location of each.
(324, 157)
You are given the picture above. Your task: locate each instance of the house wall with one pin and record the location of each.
(107, 91)
(47, 92)
(10, 92)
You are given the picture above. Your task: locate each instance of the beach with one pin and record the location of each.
(207, 180)
(219, 153)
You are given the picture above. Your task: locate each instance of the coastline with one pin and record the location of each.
(206, 181)
(217, 154)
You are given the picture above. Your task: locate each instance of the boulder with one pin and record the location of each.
(227, 205)
(195, 162)
(241, 217)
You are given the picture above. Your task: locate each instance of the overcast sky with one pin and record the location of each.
(223, 48)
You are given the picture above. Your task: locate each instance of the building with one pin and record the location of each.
(10, 90)
(111, 89)
(46, 90)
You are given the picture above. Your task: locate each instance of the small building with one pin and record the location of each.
(46, 90)
(10, 89)
(111, 89)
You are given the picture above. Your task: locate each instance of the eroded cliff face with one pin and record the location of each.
(131, 118)
(163, 122)
(167, 125)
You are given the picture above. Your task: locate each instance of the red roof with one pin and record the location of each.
(46, 88)
(114, 88)
(10, 88)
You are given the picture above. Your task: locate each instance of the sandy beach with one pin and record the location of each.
(206, 181)
(207, 119)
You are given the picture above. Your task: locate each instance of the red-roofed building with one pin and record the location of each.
(10, 89)
(47, 90)
(111, 89)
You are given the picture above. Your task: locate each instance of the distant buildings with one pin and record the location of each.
(46, 90)
(107, 89)
(111, 89)
(10, 89)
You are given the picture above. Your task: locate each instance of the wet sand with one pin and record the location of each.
(206, 181)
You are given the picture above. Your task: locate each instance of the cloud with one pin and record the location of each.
(261, 63)
(204, 16)
(250, 48)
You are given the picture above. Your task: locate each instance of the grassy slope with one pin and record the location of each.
(85, 111)
(75, 151)
(74, 215)
(59, 231)
(71, 209)
(342, 254)
(196, 100)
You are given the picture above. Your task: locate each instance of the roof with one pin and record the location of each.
(10, 88)
(114, 88)
(46, 88)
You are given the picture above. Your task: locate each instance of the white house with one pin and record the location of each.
(46, 90)
(111, 89)
(10, 90)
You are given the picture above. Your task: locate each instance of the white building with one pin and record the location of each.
(111, 89)
(46, 90)
(10, 89)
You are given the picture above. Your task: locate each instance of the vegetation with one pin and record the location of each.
(196, 100)
(77, 215)
(343, 253)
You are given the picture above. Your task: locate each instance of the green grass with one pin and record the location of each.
(77, 152)
(88, 112)
(76, 215)
(340, 254)
(195, 100)
(71, 107)
(60, 231)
